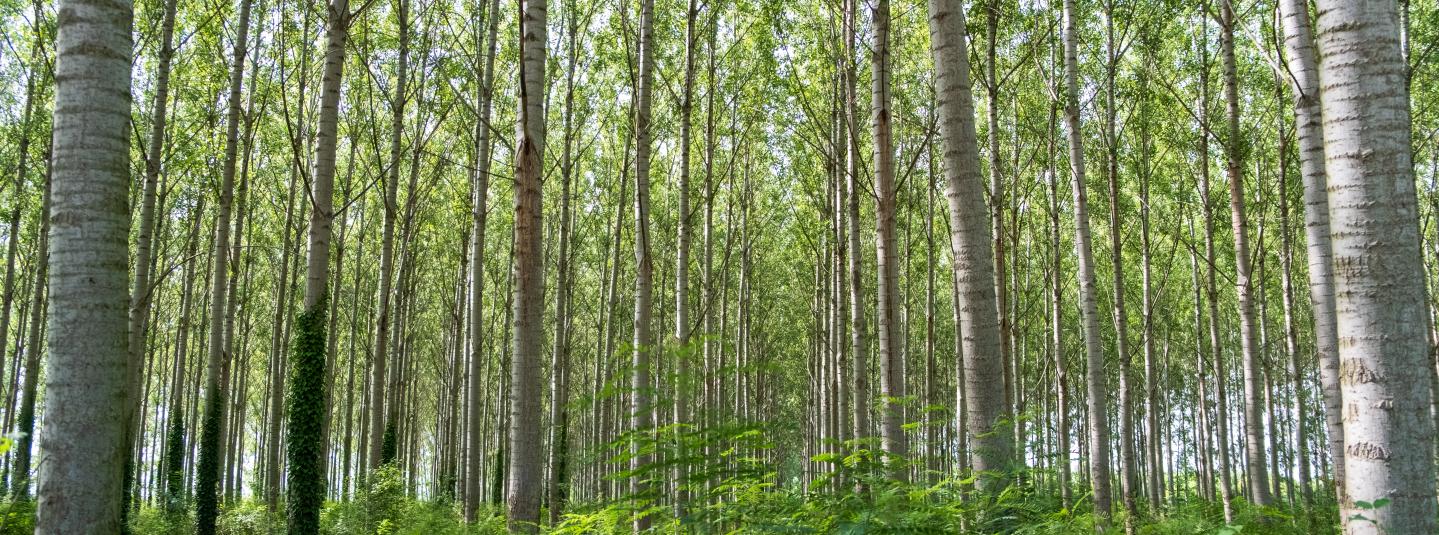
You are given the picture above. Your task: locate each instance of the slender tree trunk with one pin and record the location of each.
(1127, 481)
(1056, 322)
(559, 486)
(859, 334)
(1379, 280)
(1303, 70)
(279, 333)
(479, 210)
(381, 348)
(684, 221)
(140, 294)
(1219, 419)
(1291, 334)
(996, 208)
(640, 388)
(1154, 468)
(211, 448)
(970, 242)
(22, 168)
(1255, 465)
(525, 473)
(891, 360)
(1089, 309)
(304, 446)
(26, 420)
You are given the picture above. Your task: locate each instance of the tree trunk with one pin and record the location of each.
(1089, 309)
(207, 478)
(479, 209)
(308, 367)
(1291, 335)
(140, 294)
(859, 334)
(1254, 441)
(26, 420)
(684, 221)
(1056, 322)
(1127, 480)
(1220, 417)
(1303, 70)
(559, 487)
(525, 474)
(640, 388)
(381, 348)
(1379, 279)
(87, 373)
(970, 242)
(891, 360)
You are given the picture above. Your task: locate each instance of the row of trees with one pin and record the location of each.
(197, 247)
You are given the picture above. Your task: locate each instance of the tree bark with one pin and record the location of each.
(891, 360)
(381, 349)
(309, 371)
(1379, 280)
(479, 210)
(973, 257)
(1303, 75)
(859, 334)
(525, 474)
(684, 231)
(140, 294)
(87, 374)
(207, 478)
(1089, 310)
(26, 421)
(559, 477)
(1255, 464)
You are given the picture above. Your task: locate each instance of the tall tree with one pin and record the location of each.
(140, 294)
(207, 477)
(33, 76)
(1095, 381)
(558, 487)
(1378, 273)
(304, 445)
(479, 210)
(685, 231)
(640, 390)
(379, 426)
(524, 474)
(1303, 75)
(859, 333)
(1114, 52)
(26, 423)
(973, 257)
(87, 373)
(1254, 464)
(891, 359)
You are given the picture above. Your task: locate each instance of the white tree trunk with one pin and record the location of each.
(82, 437)
(1379, 290)
(1254, 444)
(891, 360)
(1309, 130)
(1088, 307)
(479, 210)
(971, 244)
(641, 419)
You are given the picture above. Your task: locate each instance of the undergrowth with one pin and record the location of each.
(734, 490)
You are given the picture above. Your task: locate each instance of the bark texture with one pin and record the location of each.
(973, 255)
(87, 374)
(1380, 306)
